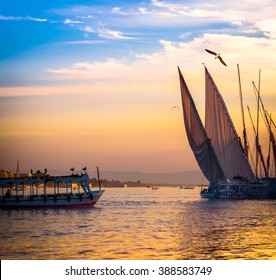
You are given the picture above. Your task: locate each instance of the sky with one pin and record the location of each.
(92, 83)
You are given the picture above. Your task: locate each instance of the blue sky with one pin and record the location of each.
(63, 63)
(41, 34)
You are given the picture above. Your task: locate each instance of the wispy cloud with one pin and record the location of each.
(89, 29)
(195, 17)
(117, 10)
(113, 34)
(22, 18)
(69, 21)
(86, 17)
(163, 63)
(84, 42)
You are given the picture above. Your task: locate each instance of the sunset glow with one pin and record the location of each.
(93, 82)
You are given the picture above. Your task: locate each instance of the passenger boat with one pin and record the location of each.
(45, 191)
(231, 194)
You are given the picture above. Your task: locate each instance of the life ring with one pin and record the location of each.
(91, 196)
(80, 197)
(69, 197)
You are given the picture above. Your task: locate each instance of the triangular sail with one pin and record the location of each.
(197, 137)
(222, 132)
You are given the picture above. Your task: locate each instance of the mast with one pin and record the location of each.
(258, 146)
(99, 180)
(257, 127)
(270, 125)
(269, 149)
(17, 170)
(245, 144)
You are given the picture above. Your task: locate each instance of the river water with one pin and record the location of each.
(143, 224)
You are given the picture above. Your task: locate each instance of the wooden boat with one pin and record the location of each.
(48, 191)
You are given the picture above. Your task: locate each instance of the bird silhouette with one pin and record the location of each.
(217, 55)
(174, 107)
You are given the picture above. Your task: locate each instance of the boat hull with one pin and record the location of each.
(52, 201)
(208, 195)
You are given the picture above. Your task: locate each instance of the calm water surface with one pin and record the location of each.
(140, 223)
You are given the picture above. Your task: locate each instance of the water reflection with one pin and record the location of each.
(140, 223)
(227, 230)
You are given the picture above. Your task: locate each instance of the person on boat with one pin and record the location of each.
(8, 194)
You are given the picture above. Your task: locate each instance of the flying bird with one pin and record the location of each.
(174, 107)
(217, 55)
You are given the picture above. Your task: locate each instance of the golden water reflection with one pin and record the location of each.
(138, 223)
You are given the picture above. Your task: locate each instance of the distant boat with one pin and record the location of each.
(154, 188)
(51, 197)
(217, 147)
(187, 187)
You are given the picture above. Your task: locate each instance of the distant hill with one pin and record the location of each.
(181, 178)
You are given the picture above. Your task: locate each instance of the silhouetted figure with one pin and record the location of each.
(8, 194)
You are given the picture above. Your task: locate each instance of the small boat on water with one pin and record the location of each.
(154, 188)
(47, 191)
(186, 187)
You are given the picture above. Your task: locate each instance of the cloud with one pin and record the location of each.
(86, 17)
(22, 18)
(185, 35)
(268, 26)
(83, 42)
(117, 10)
(88, 29)
(196, 17)
(69, 21)
(158, 68)
(37, 19)
(113, 34)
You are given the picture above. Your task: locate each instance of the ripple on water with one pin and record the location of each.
(142, 224)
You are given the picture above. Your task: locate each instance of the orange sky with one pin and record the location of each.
(115, 112)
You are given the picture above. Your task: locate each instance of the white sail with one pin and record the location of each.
(223, 135)
(197, 137)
